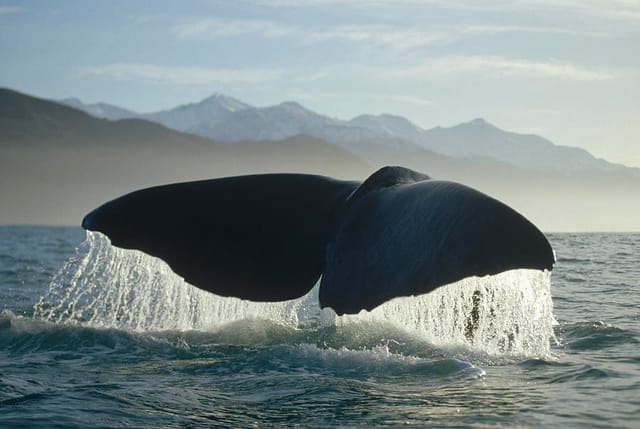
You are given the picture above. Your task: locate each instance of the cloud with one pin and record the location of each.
(219, 28)
(387, 36)
(410, 38)
(162, 74)
(616, 9)
(409, 99)
(368, 4)
(312, 76)
(379, 34)
(495, 66)
(619, 10)
(376, 34)
(7, 10)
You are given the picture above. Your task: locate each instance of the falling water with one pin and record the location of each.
(509, 313)
(107, 287)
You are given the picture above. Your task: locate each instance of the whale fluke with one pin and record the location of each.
(270, 237)
(408, 238)
(258, 237)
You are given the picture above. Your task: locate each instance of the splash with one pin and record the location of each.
(107, 287)
(509, 313)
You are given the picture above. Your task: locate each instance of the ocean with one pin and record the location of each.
(93, 337)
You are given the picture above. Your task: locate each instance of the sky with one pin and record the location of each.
(568, 70)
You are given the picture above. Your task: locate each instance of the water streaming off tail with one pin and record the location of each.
(104, 286)
(509, 313)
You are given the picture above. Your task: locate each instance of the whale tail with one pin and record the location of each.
(270, 237)
(259, 237)
(407, 237)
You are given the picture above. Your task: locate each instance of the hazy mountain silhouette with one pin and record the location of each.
(224, 118)
(191, 117)
(389, 125)
(480, 138)
(100, 110)
(187, 117)
(58, 162)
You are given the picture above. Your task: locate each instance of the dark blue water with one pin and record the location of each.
(103, 338)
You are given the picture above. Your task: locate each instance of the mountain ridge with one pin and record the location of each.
(475, 138)
(59, 162)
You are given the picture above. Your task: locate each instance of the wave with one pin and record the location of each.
(111, 288)
(37, 343)
(593, 336)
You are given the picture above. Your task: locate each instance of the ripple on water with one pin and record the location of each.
(593, 336)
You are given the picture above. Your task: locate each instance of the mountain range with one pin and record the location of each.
(58, 162)
(224, 118)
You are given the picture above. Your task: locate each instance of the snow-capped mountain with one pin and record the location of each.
(389, 125)
(85, 160)
(224, 118)
(281, 121)
(99, 110)
(190, 117)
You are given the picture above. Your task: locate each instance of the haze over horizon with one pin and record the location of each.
(59, 163)
(565, 70)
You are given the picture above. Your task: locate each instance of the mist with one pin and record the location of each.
(59, 163)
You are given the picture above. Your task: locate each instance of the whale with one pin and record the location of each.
(272, 237)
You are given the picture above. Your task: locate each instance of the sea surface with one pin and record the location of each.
(92, 336)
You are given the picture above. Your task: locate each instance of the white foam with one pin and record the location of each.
(108, 287)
